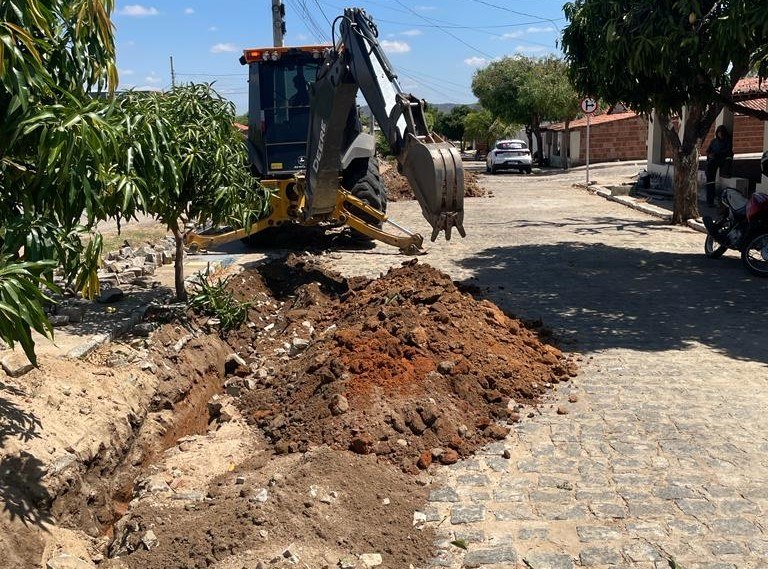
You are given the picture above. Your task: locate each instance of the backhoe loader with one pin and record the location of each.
(306, 144)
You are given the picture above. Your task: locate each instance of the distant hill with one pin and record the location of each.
(448, 107)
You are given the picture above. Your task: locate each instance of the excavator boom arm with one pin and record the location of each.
(431, 165)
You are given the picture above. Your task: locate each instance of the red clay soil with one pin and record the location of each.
(399, 189)
(407, 366)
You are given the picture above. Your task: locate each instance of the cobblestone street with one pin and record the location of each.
(662, 452)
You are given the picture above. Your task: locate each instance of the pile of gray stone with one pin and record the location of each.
(129, 265)
(123, 269)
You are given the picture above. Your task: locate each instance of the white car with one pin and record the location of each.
(509, 155)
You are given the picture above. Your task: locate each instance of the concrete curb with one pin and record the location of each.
(639, 205)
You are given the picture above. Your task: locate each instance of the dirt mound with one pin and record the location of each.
(406, 366)
(399, 189)
(318, 506)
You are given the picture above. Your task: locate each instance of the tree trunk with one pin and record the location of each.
(178, 266)
(529, 135)
(565, 148)
(536, 128)
(686, 204)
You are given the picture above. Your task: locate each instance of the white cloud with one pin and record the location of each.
(223, 48)
(411, 33)
(137, 10)
(144, 88)
(129, 43)
(395, 46)
(476, 61)
(530, 30)
(125, 72)
(213, 29)
(425, 8)
(189, 11)
(152, 79)
(530, 49)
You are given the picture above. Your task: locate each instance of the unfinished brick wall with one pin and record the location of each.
(624, 139)
(747, 135)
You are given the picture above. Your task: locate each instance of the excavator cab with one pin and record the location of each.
(279, 110)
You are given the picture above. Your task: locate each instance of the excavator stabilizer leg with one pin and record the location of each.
(434, 170)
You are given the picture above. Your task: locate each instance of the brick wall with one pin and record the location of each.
(624, 139)
(747, 135)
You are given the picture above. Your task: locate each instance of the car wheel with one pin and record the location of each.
(493, 169)
(528, 170)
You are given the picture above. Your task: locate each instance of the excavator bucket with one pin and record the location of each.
(434, 170)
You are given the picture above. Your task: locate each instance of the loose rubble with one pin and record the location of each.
(398, 188)
(406, 367)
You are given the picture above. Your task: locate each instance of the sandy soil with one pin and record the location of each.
(274, 445)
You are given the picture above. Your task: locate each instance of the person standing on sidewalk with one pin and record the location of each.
(719, 156)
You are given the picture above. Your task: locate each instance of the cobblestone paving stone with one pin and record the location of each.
(664, 454)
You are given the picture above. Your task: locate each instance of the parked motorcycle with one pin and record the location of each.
(743, 226)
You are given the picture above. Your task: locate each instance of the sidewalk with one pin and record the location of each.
(102, 323)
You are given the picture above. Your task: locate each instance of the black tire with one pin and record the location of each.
(493, 169)
(527, 170)
(713, 249)
(755, 255)
(362, 180)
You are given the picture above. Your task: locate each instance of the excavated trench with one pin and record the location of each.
(191, 369)
(406, 370)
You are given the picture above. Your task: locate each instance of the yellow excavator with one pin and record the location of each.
(306, 144)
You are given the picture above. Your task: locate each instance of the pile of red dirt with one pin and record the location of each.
(399, 189)
(407, 366)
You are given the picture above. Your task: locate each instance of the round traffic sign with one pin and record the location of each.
(589, 106)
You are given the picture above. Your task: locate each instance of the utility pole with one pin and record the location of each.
(173, 74)
(278, 22)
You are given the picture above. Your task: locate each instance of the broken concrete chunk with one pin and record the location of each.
(339, 404)
(149, 539)
(291, 555)
(67, 561)
(16, 365)
(112, 294)
(371, 559)
(73, 313)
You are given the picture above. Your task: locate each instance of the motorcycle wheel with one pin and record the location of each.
(713, 249)
(755, 255)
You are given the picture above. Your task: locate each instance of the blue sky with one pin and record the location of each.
(434, 45)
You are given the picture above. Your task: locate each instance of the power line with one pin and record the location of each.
(440, 89)
(484, 3)
(323, 12)
(445, 31)
(432, 76)
(304, 13)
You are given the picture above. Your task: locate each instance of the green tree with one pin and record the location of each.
(451, 124)
(56, 149)
(71, 155)
(668, 55)
(527, 91)
(484, 127)
(196, 167)
(430, 115)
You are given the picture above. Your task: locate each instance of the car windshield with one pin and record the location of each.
(511, 146)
